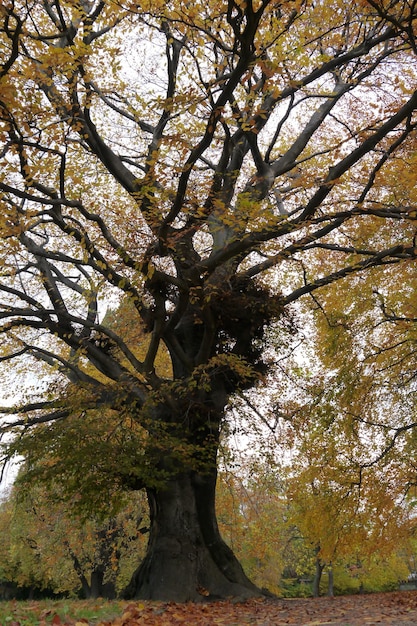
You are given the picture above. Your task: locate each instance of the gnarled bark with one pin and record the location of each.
(187, 560)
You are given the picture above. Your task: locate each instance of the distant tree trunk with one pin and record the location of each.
(317, 578)
(105, 540)
(86, 589)
(186, 559)
(330, 589)
(96, 583)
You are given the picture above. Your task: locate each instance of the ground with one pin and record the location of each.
(365, 610)
(399, 608)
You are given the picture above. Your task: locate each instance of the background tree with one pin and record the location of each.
(44, 546)
(251, 511)
(348, 523)
(181, 184)
(353, 427)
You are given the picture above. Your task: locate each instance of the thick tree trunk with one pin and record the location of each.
(187, 560)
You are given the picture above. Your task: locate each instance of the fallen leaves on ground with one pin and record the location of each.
(363, 610)
(397, 609)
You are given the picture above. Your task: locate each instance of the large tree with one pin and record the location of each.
(190, 158)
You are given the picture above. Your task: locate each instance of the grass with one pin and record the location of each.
(45, 612)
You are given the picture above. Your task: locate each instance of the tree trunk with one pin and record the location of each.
(86, 589)
(186, 559)
(96, 584)
(317, 578)
(330, 590)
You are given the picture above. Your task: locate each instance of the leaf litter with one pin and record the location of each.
(395, 609)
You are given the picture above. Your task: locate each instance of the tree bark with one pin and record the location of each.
(317, 578)
(330, 589)
(100, 589)
(86, 589)
(96, 585)
(186, 559)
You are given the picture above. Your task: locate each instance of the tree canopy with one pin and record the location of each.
(211, 164)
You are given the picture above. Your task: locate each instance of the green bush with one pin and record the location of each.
(295, 588)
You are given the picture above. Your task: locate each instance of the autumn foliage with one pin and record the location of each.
(207, 167)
